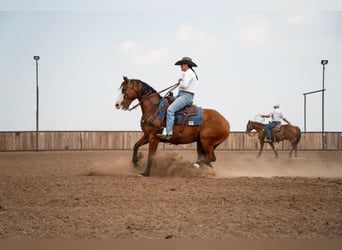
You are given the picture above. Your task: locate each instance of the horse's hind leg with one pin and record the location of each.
(200, 151)
(208, 153)
(290, 154)
(142, 141)
(293, 148)
(213, 156)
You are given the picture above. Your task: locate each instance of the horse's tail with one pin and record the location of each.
(298, 136)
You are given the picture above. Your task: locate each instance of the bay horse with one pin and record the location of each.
(213, 131)
(286, 132)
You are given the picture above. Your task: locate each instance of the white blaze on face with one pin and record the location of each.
(119, 100)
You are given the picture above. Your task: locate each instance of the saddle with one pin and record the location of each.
(188, 110)
(277, 128)
(190, 115)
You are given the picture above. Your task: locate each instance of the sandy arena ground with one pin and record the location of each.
(98, 195)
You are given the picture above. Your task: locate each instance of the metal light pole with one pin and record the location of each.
(323, 62)
(305, 94)
(37, 104)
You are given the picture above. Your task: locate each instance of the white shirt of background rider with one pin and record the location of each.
(188, 81)
(277, 115)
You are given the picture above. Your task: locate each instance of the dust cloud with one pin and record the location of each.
(229, 164)
(113, 166)
(171, 164)
(165, 164)
(308, 164)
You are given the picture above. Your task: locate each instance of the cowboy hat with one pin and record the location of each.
(186, 60)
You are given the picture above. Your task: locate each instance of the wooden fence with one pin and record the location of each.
(122, 140)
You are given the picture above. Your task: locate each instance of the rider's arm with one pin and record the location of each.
(185, 80)
(286, 120)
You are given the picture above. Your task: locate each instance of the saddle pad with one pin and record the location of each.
(162, 102)
(193, 120)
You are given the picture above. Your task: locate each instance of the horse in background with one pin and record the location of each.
(286, 132)
(211, 133)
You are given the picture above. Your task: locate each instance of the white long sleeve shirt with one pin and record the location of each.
(188, 81)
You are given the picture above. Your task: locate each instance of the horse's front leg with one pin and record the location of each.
(261, 147)
(274, 150)
(142, 141)
(152, 149)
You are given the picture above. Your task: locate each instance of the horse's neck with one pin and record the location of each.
(147, 104)
(148, 98)
(259, 126)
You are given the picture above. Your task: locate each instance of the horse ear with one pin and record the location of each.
(126, 79)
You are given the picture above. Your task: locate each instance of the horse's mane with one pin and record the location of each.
(145, 87)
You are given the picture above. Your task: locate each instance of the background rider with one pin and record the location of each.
(276, 116)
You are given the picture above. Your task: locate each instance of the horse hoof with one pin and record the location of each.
(196, 165)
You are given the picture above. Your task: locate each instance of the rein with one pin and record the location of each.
(171, 88)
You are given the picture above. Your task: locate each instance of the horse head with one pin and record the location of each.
(252, 125)
(129, 91)
(249, 127)
(132, 89)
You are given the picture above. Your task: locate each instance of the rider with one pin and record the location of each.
(276, 117)
(187, 85)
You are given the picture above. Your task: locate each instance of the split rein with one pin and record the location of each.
(171, 88)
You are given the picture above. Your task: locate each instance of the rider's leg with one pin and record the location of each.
(268, 131)
(269, 128)
(180, 102)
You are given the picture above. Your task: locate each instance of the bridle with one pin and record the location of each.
(255, 127)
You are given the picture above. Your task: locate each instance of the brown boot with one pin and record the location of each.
(164, 137)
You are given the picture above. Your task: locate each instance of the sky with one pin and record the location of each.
(250, 56)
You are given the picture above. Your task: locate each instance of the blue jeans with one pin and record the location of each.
(182, 99)
(268, 129)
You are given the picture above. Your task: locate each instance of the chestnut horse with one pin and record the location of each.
(213, 131)
(286, 132)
